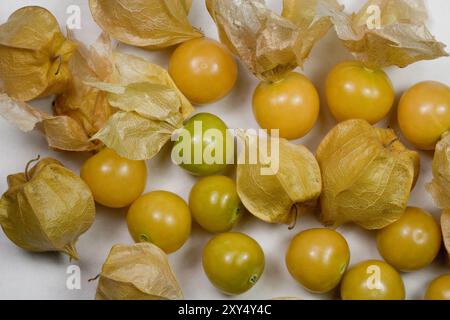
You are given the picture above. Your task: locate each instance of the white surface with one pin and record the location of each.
(25, 275)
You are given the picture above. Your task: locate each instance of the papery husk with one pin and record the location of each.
(367, 175)
(150, 108)
(137, 272)
(401, 38)
(87, 105)
(445, 225)
(61, 132)
(34, 55)
(271, 45)
(152, 24)
(46, 208)
(277, 197)
(439, 187)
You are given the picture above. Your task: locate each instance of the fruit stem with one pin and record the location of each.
(27, 168)
(294, 219)
(59, 58)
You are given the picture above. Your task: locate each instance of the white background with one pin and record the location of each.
(26, 275)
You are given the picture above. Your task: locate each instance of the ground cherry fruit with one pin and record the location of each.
(204, 70)
(424, 113)
(215, 204)
(115, 181)
(162, 218)
(412, 242)
(439, 288)
(355, 91)
(317, 259)
(372, 280)
(290, 104)
(233, 262)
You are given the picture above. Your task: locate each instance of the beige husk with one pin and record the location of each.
(270, 44)
(152, 24)
(34, 55)
(445, 225)
(150, 108)
(80, 111)
(46, 208)
(277, 197)
(137, 272)
(439, 188)
(387, 32)
(367, 175)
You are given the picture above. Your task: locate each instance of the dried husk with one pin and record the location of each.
(269, 44)
(439, 188)
(137, 272)
(445, 225)
(46, 208)
(277, 197)
(86, 105)
(150, 108)
(61, 132)
(400, 39)
(34, 55)
(367, 175)
(152, 24)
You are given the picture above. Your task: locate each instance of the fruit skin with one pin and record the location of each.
(162, 218)
(354, 91)
(412, 242)
(290, 104)
(215, 204)
(424, 113)
(317, 259)
(233, 262)
(115, 181)
(439, 288)
(204, 70)
(199, 140)
(386, 281)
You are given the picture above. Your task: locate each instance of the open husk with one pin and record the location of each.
(34, 55)
(276, 195)
(150, 108)
(387, 33)
(46, 208)
(149, 24)
(86, 105)
(439, 188)
(269, 44)
(367, 175)
(137, 272)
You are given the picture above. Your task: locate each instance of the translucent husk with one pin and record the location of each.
(46, 208)
(445, 225)
(86, 105)
(137, 272)
(150, 108)
(277, 197)
(367, 175)
(439, 188)
(34, 55)
(388, 32)
(269, 44)
(152, 24)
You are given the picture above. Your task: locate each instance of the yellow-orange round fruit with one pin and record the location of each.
(290, 104)
(412, 242)
(162, 218)
(204, 70)
(424, 113)
(354, 91)
(115, 181)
